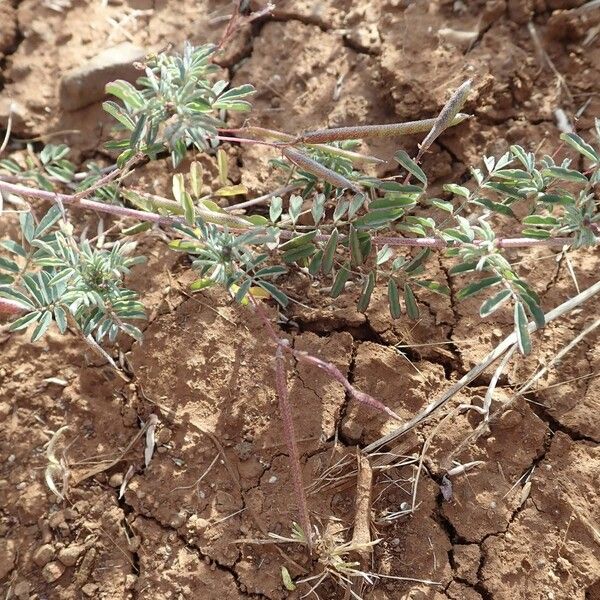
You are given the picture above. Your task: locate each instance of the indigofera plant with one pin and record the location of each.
(327, 218)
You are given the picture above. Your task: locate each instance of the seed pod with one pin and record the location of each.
(317, 169)
(369, 131)
(446, 116)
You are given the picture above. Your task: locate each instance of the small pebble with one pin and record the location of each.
(53, 571)
(68, 556)
(43, 555)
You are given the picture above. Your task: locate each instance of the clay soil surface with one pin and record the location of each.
(524, 524)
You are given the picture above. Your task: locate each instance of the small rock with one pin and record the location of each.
(116, 479)
(53, 571)
(68, 556)
(89, 589)
(352, 431)
(22, 589)
(178, 520)
(7, 557)
(56, 519)
(43, 555)
(84, 85)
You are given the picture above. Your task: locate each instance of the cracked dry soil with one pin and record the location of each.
(525, 524)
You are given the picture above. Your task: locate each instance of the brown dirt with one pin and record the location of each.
(220, 473)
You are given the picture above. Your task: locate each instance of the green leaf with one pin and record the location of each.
(201, 284)
(565, 174)
(298, 254)
(25, 321)
(273, 271)
(393, 201)
(465, 267)
(534, 308)
(367, 290)
(275, 293)
(10, 294)
(457, 190)
(317, 209)
(329, 252)
(521, 329)
(539, 234)
(492, 304)
(222, 166)
(433, 286)
(138, 228)
(295, 207)
(8, 265)
(411, 166)
(315, 263)
(394, 299)
(188, 208)
(563, 198)
(125, 92)
(60, 316)
(353, 242)
(541, 221)
(243, 290)
(582, 147)
(232, 190)
(442, 205)
(13, 247)
(196, 178)
(276, 208)
(42, 326)
(27, 225)
(478, 286)
(115, 111)
(496, 207)
(378, 218)
(299, 240)
(238, 92)
(340, 281)
(287, 580)
(412, 310)
(383, 255)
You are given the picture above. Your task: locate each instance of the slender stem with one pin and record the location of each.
(140, 215)
(290, 441)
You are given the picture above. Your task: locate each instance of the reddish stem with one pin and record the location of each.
(139, 215)
(290, 440)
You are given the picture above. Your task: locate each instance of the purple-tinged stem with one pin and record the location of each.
(140, 215)
(328, 367)
(290, 440)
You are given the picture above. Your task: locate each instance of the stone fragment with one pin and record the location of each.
(22, 590)
(84, 85)
(53, 571)
(7, 557)
(43, 555)
(68, 556)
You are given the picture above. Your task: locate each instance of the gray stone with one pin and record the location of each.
(84, 85)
